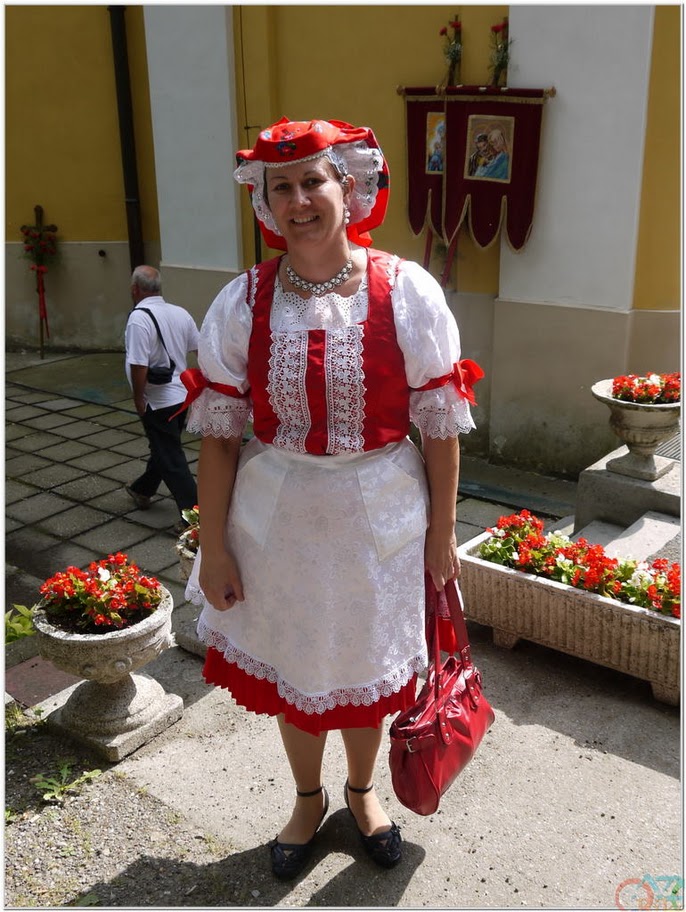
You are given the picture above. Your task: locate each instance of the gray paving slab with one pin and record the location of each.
(17, 431)
(114, 535)
(12, 524)
(38, 507)
(118, 419)
(99, 461)
(155, 554)
(19, 490)
(76, 429)
(162, 515)
(503, 484)
(137, 447)
(109, 438)
(66, 450)
(52, 475)
(15, 393)
(125, 405)
(21, 588)
(125, 470)
(49, 421)
(74, 521)
(66, 554)
(480, 513)
(86, 487)
(58, 405)
(25, 547)
(89, 410)
(117, 502)
(22, 412)
(464, 532)
(32, 441)
(18, 464)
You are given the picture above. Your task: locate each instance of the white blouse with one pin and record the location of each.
(426, 332)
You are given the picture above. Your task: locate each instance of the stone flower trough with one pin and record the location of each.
(518, 605)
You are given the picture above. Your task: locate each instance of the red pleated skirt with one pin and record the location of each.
(262, 697)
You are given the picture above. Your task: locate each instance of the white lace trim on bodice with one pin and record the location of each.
(332, 311)
(426, 333)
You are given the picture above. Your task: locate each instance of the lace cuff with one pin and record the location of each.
(214, 414)
(441, 412)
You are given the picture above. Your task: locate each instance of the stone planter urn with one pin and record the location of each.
(186, 561)
(518, 605)
(114, 711)
(642, 427)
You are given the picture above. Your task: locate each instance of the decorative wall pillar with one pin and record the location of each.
(192, 92)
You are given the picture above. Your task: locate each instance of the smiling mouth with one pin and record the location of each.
(305, 221)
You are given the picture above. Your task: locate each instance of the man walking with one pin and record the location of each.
(159, 336)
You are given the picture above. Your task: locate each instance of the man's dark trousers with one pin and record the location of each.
(167, 460)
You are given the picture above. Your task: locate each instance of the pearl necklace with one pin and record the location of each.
(319, 288)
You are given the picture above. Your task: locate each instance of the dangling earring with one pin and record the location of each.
(347, 215)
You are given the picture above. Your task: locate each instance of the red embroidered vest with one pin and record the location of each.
(384, 382)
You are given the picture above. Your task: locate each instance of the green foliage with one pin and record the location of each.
(90, 899)
(18, 623)
(56, 788)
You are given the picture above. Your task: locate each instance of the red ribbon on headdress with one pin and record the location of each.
(195, 382)
(463, 376)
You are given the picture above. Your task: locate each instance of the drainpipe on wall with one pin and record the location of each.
(126, 134)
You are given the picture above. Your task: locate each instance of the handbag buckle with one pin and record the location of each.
(408, 745)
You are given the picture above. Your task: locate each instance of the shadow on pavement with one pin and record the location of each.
(600, 709)
(244, 879)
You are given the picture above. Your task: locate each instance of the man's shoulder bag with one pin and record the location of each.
(159, 375)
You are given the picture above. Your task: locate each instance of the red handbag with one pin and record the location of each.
(433, 741)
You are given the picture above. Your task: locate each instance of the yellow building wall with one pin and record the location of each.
(308, 62)
(63, 150)
(658, 259)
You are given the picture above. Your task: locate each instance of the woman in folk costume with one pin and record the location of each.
(316, 535)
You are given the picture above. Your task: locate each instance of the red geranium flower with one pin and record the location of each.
(518, 541)
(111, 593)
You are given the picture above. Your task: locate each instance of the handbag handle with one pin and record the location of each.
(456, 608)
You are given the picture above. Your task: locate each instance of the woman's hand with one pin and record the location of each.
(440, 557)
(220, 580)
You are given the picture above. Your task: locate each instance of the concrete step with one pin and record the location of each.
(654, 534)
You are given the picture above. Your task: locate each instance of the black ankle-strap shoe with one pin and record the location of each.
(383, 848)
(289, 859)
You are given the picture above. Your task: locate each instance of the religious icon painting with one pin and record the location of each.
(489, 148)
(435, 141)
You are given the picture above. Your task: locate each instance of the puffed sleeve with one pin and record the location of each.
(223, 358)
(430, 341)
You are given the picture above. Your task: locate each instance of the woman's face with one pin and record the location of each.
(307, 200)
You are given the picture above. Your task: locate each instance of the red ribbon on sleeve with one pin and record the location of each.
(195, 382)
(463, 376)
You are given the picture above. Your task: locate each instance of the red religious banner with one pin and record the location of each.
(472, 155)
